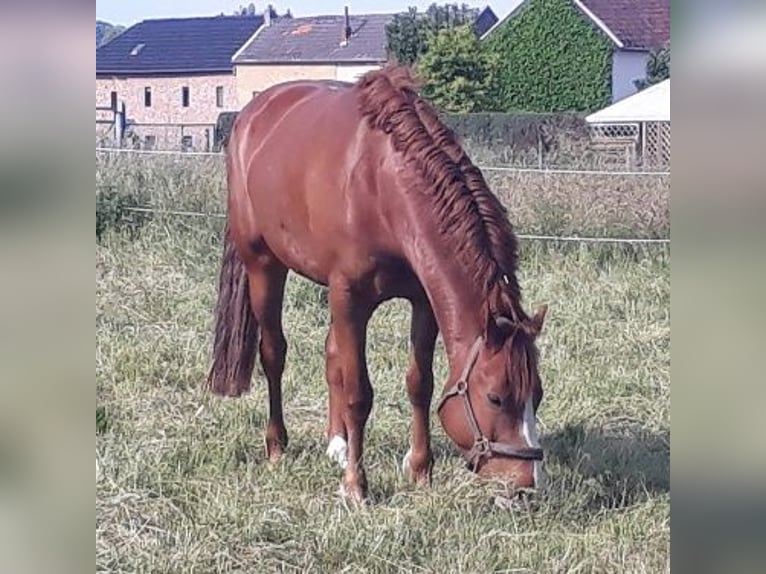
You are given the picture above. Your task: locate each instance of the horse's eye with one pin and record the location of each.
(494, 400)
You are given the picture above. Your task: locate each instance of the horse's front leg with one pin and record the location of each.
(418, 461)
(349, 330)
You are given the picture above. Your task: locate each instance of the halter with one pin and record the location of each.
(482, 446)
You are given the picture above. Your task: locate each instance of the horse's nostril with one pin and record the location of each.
(494, 400)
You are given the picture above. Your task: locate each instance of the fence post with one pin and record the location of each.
(119, 124)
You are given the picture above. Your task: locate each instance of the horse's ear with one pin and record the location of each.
(536, 322)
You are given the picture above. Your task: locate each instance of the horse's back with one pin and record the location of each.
(300, 175)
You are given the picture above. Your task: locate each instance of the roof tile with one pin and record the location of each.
(185, 45)
(318, 39)
(641, 24)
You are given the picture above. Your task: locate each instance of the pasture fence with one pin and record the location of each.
(552, 205)
(488, 168)
(525, 236)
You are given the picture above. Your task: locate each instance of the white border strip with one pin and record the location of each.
(598, 22)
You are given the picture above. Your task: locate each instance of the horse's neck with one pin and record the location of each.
(456, 300)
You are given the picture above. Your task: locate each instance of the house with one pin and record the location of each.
(633, 27)
(174, 77)
(334, 47)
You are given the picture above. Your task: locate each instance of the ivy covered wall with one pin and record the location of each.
(552, 58)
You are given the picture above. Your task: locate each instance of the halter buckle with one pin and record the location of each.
(481, 447)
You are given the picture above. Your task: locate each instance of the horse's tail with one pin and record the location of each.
(236, 328)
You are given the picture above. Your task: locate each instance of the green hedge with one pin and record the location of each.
(521, 131)
(553, 59)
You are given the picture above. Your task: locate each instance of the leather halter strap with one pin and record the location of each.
(482, 446)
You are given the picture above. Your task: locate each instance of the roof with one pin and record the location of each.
(649, 105)
(318, 39)
(638, 24)
(484, 21)
(629, 24)
(176, 45)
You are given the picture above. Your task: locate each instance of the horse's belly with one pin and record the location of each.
(299, 251)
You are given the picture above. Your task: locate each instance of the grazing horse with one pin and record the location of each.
(361, 188)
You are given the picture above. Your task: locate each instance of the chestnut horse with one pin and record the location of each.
(361, 188)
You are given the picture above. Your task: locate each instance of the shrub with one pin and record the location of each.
(459, 73)
(520, 130)
(114, 213)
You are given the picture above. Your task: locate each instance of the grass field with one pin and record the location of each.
(183, 484)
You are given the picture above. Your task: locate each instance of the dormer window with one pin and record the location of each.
(135, 51)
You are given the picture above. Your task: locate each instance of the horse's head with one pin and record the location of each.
(490, 411)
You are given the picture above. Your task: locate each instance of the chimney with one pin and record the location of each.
(267, 16)
(346, 28)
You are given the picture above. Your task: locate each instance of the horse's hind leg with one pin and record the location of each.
(267, 285)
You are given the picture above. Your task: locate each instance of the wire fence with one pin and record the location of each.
(169, 210)
(488, 168)
(531, 237)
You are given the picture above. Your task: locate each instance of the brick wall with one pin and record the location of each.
(256, 78)
(252, 78)
(167, 107)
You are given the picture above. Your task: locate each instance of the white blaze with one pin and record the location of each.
(529, 430)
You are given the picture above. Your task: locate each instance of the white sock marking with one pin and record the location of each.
(337, 450)
(529, 430)
(406, 461)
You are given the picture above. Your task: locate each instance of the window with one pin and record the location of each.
(150, 142)
(113, 101)
(219, 97)
(186, 143)
(185, 96)
(147, 97)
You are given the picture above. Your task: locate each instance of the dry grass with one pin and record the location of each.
(182, 483)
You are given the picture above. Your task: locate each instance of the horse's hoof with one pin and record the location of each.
(353, 495)
(274, 449)
(420, 476)
(354, 487)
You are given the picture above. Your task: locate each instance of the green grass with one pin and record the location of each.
(183, 484)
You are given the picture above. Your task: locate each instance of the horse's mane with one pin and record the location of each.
(469, 216)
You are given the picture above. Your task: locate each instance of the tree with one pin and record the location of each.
(250, 10)
(657, 68)
(459, 74)
(113, 32)
(408, 32)
(106, 32)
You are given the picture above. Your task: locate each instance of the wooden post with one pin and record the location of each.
(119, 124)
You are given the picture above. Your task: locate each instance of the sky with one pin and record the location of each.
(128, 12)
